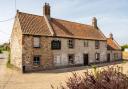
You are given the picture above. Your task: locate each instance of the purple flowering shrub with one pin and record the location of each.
(109, 78)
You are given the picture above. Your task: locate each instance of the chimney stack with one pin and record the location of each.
(94, 23)
(111, 35)
(46, 10)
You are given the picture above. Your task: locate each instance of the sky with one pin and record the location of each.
(112, 15)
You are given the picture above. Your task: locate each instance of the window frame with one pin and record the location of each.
(97, 56)
(71, 43)
(97, 44)
(86, 43)
(58, 45)
(39, 43)
(36, 61)
(115, 56)
(71, 61)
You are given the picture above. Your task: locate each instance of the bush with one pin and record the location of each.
(124, 46)
(110, 78)
(1, 51)
(8, 64)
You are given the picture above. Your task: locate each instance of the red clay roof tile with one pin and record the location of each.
(112, 44)
(36, 25)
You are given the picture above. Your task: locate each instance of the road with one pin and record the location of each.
(3, 60)
(12, 79)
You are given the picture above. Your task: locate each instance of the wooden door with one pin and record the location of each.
(85, 58)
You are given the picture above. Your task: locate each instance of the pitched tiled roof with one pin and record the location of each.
(36, 25)
(112, 44)
(33, 24)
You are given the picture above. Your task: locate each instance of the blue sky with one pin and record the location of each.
(112, 15)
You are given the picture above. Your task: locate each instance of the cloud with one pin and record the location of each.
(112, 15)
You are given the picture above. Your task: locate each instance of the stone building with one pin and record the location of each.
(114, 52)
(43, 42)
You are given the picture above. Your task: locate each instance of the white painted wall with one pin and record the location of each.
(79, 50)
(79, 58)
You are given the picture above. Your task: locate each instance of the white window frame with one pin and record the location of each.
(57, 60)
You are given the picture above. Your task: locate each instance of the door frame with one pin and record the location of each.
(85, 59)
(108, 57)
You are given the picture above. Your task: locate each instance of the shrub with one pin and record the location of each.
(1, 51)
(110, 78)
(124, 46)
(8, 64)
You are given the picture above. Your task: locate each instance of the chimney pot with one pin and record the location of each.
(17, 10)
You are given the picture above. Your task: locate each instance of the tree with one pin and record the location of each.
(0, 51)
(124, 46)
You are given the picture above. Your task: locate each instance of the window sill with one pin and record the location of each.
(85, 46)
(71, 63)
(36, 65)
(55, 49)
(97, 60)
(71, 48)
(36, 47)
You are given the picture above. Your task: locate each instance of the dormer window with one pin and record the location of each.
(55, 44)
(97, 44)
(36, 42)
(71, 43)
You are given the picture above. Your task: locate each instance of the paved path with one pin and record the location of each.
(3, 59)
(12, 79)
(4, 72)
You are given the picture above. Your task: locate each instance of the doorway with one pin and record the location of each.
(108, 57)
(85, 58)
(23, 69)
